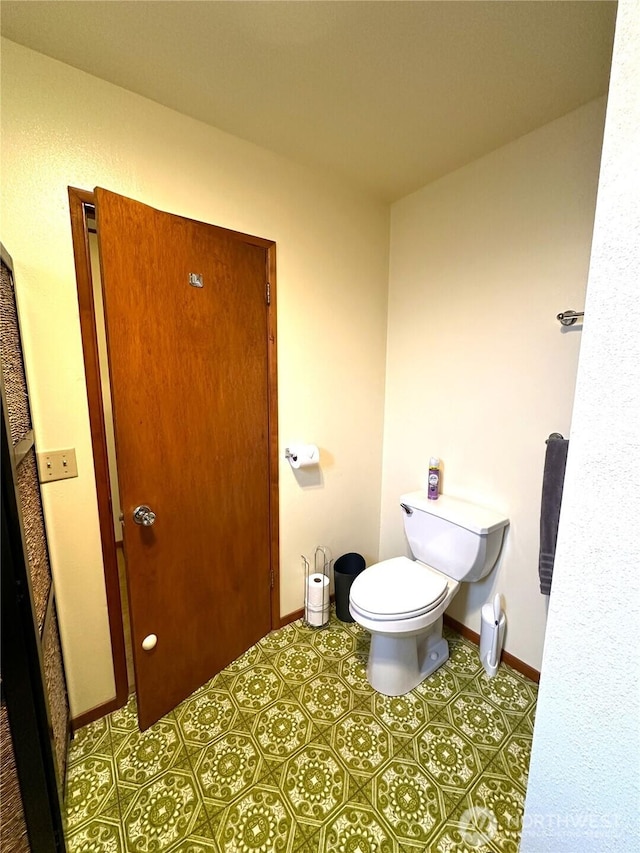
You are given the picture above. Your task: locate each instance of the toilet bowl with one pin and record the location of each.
(401, 601)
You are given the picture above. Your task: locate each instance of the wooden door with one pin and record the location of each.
(186, 316)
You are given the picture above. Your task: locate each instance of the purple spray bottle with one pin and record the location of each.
(433, 488)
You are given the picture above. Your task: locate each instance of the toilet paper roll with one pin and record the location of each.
(303, 455)
(316, 617)
(317, 592)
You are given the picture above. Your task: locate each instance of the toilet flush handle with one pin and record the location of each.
(407, 509)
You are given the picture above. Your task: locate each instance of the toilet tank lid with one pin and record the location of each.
(478, 519)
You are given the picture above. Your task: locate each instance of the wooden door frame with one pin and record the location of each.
(24, 693)
(79, 200)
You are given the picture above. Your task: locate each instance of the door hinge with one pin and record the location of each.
(271, 578)
(269, 299)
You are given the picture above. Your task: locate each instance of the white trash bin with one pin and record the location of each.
(493, 622)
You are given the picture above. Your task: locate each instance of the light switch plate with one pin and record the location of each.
(57, 465)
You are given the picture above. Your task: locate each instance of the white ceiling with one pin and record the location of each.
(389, 94)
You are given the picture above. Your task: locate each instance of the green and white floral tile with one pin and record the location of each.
(361, 789)
(280, 639)
(464, 660)
(357, 827)
(227, 768)
(162, 814)
(128, 791)
(257, 821)
(282, 728)
(201, 840)
(362, 637)
(281, 736)
(467, 835)
(314, 784)
(253, 656)
(361, 743)
(223, 679)
(100, 835)
(205, 715)
(325, 698)
(400, 741)
(291, 746)
(297, 664)
(363, 643)
(94, 739)
(528, 719)
(533, 685)
(90, 791)
(514, 757)
(440, 687)
(353, 671)
(222, 682)
(334, 642)
(509, 691)
(141, 756)
(479, 721)
(357, 630)
(276, 734)
(403, 716)
(305, 838)
(303, 843)
(125, 719)
(497, 807)
(256, 687)
(450, 758)
(411, 804)
(410, 847)
(331, 666)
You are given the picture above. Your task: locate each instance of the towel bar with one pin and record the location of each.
(569, 317)
(554, 437)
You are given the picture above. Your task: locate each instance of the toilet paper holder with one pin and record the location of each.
(317, 595)
(302, 455)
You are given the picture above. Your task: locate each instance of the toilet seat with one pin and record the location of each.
(398, 589)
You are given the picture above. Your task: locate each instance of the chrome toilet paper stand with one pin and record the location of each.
(321, 565)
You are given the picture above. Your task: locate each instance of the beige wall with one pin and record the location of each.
(62, 127)
(479, 371)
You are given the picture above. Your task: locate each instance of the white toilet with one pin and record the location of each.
(401, 601)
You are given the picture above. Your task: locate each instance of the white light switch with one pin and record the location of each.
(57, 465)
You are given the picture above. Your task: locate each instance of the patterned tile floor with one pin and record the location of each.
(289, 749)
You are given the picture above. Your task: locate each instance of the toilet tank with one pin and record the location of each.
(458, 538)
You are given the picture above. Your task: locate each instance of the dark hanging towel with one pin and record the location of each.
(552, 485)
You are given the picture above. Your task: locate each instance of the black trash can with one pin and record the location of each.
(345, 570)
